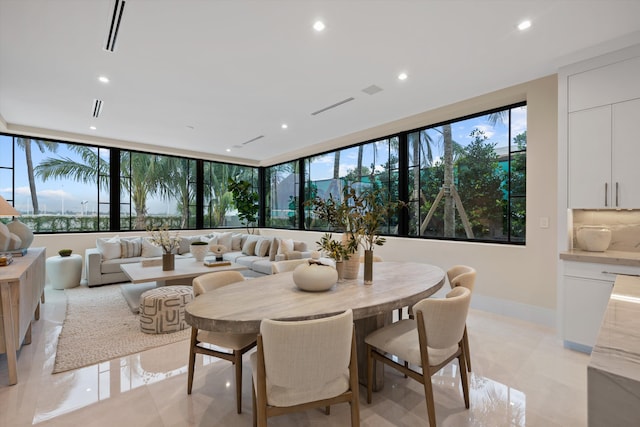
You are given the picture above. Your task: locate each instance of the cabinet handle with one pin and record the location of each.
(617, 195)
(606, 190)
(620, 274)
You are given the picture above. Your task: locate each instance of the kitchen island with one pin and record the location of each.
(613, 374)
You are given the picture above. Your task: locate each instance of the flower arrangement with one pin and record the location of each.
(334, 248)
(161, 237)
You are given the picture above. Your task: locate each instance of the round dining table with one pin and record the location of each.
(240, 307)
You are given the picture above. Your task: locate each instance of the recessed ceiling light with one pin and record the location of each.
(104, 79)
(524, 25)
(402, 76)
(284, 126)
(319, 26)
(92, 127)
(228, 150)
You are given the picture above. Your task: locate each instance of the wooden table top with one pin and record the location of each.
(184, 268)
(240, 307)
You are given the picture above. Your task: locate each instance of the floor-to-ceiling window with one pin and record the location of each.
(282, 187)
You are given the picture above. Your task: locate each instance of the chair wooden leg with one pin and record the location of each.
(327, 410)
(370, 366)
(467, 353)
(428, 394)
(465, 380)
(192, 359)
(253, 404)
(238, 362)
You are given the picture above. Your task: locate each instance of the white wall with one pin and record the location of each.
(519, 281)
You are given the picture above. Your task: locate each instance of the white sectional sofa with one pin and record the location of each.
(102, 263)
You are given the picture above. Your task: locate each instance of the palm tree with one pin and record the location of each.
(92, 168)
(25, 144)
(176, 181)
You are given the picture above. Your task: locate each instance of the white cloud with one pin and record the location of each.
(58, 194)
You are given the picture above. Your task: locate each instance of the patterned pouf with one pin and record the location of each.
(162, 309)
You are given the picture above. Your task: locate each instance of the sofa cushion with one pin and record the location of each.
(299, 246)
(113, 265)
(249, 247)
(273, 250)
(262, 266)
(236, 242)
(149, 250)
(225, 239)
(232, 256)
(247, 261)
(263, 246)
(130, 247)
(109, 247)
(286, 245)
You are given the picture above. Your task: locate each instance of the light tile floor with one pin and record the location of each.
(522, 376)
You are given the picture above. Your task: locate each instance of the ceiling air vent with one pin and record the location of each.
(114, 28)
(337, 104)
(252, 140)
(372, 90)
(97, 108)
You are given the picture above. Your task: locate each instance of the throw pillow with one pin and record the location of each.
(110, 248)
(262, 247)
(130, 247)
(246, 245)
(299, 246)
(185, 243)
(273, 250)
(225, 239)
(149, 250)
(286, 245)
(249, 247)
(236, 242)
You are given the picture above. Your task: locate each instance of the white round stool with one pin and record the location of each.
(64, 272)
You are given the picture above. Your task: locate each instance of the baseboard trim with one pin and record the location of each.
(530, 313)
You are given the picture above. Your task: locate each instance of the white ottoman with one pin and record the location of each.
(162, 309)
(64, 272)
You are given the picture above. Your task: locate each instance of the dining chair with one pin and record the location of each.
(287, 265)
(463, 275)
(430, 341)
(300, 365)
(235, 344)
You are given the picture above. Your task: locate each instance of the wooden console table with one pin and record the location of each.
(21, 291)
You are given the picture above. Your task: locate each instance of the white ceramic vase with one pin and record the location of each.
(199, 251)
(593, 238)
(315, 277)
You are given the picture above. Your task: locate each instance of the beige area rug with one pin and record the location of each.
(99, 326)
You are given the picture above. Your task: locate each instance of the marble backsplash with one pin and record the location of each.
(624, 226)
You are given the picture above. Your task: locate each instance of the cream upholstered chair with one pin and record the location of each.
(305, 364)
(288, 265)
(463, 275)
(237, 344)
(430, 341)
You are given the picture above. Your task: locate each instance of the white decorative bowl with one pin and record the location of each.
(593, 238)
(315, 277)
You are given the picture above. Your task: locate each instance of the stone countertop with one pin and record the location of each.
(607, 257)
(614, 369)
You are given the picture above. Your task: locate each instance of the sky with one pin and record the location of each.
(73, 197)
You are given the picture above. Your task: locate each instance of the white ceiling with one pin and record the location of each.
(211, 75)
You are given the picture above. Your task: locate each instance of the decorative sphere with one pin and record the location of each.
(315, 277)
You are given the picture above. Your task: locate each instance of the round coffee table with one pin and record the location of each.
(64, 272)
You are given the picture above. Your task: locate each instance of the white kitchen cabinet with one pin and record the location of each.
(590, 158)
(603, 157)
(626, 154)
(585, 301)
(586, 289)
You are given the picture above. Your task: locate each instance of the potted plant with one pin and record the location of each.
(169, 244)
(65, 252)
(339, 217)
(246, 201)
(335, 250)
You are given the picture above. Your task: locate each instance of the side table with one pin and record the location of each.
(64, 272)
